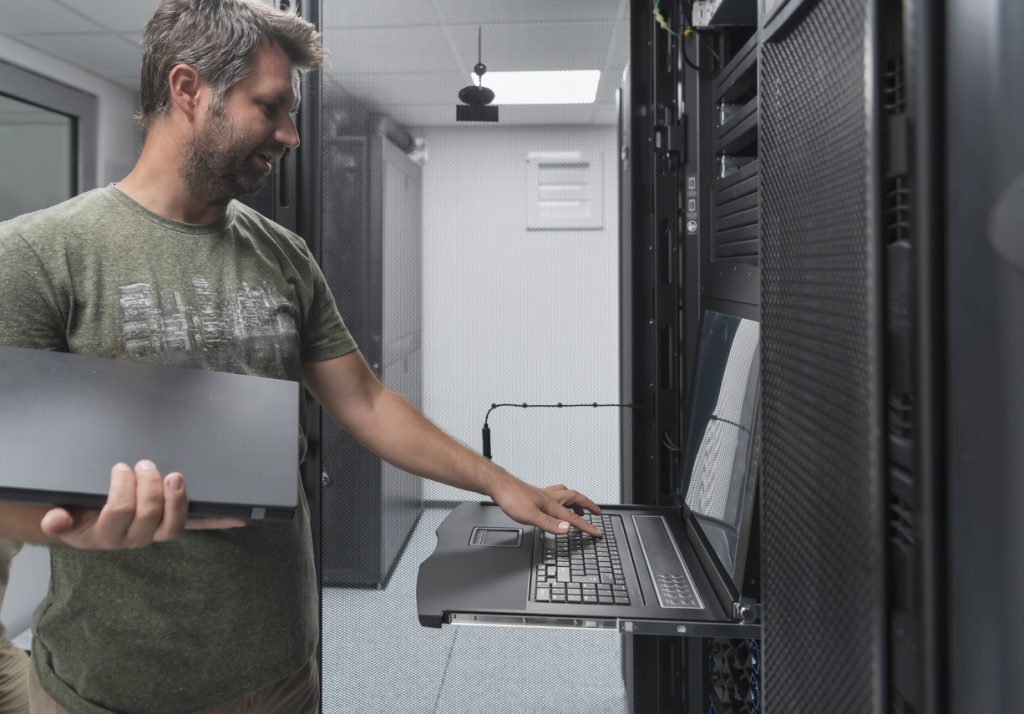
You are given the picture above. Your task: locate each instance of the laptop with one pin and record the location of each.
(66, 419)
(659, 570)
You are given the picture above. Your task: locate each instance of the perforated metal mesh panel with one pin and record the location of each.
(821, 526)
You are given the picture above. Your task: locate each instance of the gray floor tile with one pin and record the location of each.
(378, 659)
(535, 671)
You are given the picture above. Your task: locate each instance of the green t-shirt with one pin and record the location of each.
(199, 621)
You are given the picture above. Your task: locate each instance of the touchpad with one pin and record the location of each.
(497, 537)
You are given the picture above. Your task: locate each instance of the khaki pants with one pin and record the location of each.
(296, 694)
(13, 662)
(13, 679)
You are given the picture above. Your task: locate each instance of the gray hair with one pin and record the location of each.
(219, 38)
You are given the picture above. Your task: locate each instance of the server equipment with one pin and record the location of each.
(856, 168)
(372, 258)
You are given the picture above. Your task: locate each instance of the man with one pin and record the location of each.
(13, 662)
(147, 610)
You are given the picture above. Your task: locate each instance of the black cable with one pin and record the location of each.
(701, 32)
(667, 442)
(524, 405)
(700, 70)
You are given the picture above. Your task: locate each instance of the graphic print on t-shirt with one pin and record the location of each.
(253, 318)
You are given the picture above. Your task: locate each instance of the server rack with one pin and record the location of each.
(690, 242)
(652, 267)
(371, 256)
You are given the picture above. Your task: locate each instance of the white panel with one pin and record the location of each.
(103, 54)
(512, 315)
(24, 16)
(563, 190)
(610, 81)
(117, 15)
(605, 115)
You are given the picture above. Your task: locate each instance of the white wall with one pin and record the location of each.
(118, 139)
(512, 315)
(117, 147)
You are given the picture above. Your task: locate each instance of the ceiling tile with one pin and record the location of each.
(374, 13)
(117, 15)
(405, 88)
(105, 54)
(476, 12)
(23, 16)
(536, 46)
(563, 114)
(389, 50)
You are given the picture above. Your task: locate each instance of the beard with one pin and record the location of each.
(218, 163)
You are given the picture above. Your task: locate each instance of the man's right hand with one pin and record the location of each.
(141, 508)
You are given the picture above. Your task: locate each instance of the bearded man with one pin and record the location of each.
(149, 610)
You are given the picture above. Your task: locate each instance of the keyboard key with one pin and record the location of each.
(543, 595)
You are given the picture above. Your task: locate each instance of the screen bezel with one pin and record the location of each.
(744, 535)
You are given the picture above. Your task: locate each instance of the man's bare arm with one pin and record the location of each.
(396, 431)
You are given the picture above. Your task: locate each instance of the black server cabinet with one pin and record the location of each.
(823, 356)
(849, 352)
(690, 237)
(651, 313)
(371, 256)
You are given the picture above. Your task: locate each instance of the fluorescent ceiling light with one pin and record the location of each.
(557, 87)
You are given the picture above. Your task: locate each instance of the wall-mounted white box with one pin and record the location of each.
(564, 190)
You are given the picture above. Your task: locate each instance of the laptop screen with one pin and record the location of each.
(714, 476)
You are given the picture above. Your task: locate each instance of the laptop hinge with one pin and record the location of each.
(720, 582)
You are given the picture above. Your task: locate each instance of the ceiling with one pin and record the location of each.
(407, 58)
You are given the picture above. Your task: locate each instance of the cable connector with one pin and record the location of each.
(662, 22)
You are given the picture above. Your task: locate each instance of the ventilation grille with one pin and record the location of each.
(735, 228)
(895, 89)
(897, 209)
(821, 511)
(901, 415)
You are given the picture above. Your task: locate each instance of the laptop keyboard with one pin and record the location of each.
(579, 568)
